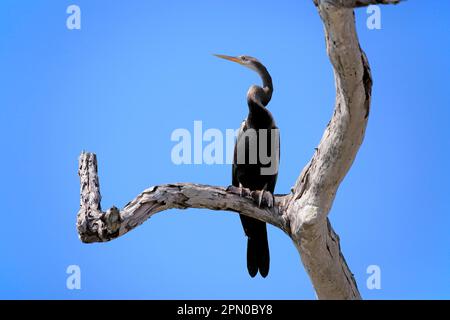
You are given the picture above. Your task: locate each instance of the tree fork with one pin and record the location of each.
(303, 213)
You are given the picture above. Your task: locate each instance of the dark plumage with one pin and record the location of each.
(258, 126)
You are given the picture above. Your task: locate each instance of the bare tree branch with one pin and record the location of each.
(97, 226)
(303, 214)
(355, 3)
(317, 185)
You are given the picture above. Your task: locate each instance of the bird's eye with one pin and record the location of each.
(243, 58)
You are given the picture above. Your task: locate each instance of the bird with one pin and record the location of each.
(250, 174)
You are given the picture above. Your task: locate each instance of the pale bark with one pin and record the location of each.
(97, 226)
(302, 214)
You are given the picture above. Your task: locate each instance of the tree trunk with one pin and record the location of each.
(301, 214)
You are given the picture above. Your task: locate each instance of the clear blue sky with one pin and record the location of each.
(137, 70)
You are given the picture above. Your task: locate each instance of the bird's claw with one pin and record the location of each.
(264, 198)
(242, 192)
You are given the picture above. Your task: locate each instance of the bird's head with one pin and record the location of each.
(262, 94)
(246, 61)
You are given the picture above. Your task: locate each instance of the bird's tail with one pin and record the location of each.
(258, 256)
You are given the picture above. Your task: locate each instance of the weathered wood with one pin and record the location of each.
(97, 226)
(302, 214)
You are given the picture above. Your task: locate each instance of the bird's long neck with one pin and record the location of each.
(258, 98)
(266, 94)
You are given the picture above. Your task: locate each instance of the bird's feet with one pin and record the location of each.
(240, 191)
(262, 198)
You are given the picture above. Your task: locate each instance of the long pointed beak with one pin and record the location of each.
(229, 58)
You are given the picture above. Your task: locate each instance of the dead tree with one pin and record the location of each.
(301, 214)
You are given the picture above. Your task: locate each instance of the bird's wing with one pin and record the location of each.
(242, 128)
